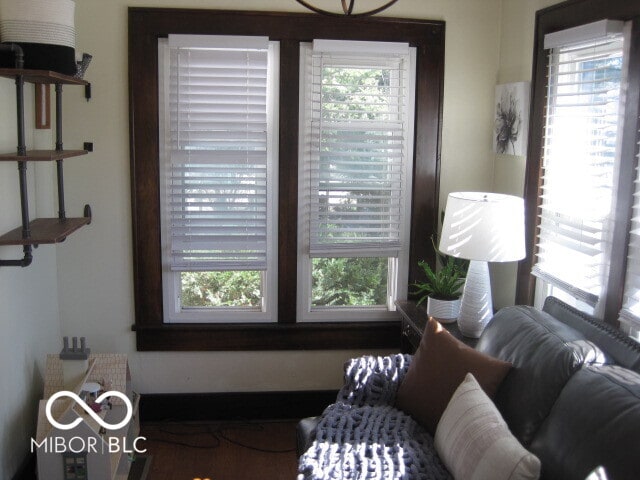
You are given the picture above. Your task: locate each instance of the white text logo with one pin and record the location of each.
(89, 410)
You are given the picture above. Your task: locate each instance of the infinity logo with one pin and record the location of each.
(87, 408)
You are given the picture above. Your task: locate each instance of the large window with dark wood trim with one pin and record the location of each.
(582, 161)
(375, 135)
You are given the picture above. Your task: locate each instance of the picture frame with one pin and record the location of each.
(511, 118)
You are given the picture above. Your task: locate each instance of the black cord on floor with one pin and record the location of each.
(184, 444)
(217, 433)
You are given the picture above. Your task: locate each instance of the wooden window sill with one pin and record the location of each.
(273, 336)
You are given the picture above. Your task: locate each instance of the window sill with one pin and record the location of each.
(235, 337)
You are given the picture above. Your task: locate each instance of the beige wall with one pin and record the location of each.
(29, 321)
(93, 293)
(516, 56)
(94, 266)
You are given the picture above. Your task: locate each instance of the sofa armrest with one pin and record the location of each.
(370, 380)
(306, 434)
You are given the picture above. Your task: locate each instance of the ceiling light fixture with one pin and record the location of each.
(347, 9)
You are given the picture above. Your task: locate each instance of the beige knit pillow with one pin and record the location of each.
(475, 443)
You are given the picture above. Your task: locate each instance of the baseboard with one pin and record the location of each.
(186, 407)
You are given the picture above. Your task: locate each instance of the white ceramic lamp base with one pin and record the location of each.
(476, 307)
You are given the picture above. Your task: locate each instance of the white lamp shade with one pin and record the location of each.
(483, 226)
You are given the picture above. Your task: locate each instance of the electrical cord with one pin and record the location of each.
(257, 449)
(184, 444)
(217, 434)
(215, 444)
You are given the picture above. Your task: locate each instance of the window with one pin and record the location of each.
(630, 313)
(581, 152)
(582, 161)
(175, 321)
(355, 179)
(218, 161)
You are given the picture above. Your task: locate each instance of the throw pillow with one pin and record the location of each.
(475, 443)
(438, 367)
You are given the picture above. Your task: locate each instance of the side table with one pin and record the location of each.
(414, 321)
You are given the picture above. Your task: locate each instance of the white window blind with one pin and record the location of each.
(579, 158)
(357, 149)
(630, 313)
(216, 153)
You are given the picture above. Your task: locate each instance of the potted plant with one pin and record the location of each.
(441, 289)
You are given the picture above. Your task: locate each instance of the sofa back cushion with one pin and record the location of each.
(544, 353)
(595, 423)
(617, 347)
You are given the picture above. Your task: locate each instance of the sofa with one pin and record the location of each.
(571, 398)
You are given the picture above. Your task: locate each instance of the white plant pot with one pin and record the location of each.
(445, 311)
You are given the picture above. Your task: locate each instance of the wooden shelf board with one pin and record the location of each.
(41, 76)
(44, 231)
(41, 155)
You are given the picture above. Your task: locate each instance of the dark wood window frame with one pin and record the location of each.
(558, 17)
(146, 25)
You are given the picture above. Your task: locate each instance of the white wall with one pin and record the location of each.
(516, 57)
(29, 319)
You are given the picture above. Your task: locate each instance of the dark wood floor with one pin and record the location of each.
(221, 450)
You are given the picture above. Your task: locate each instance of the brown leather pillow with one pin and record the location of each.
(439, 366)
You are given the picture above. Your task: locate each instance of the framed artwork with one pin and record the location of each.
(511, 123)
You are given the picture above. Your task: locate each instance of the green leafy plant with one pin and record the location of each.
(444, 284)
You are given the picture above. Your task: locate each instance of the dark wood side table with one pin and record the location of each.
(414, 321)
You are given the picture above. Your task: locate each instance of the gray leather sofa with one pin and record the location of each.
(573, 394)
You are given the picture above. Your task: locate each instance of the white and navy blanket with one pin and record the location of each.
(362, 436)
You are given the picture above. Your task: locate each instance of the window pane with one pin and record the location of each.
(349, 282)
(215, 155)
(357, 147)
(221, 289)
(355, 180)
(580, 153)
(629, 326)
(217, 165)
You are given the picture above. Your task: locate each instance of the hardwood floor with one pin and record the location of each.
(221, 450)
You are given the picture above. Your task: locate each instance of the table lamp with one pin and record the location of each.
(481, 227)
